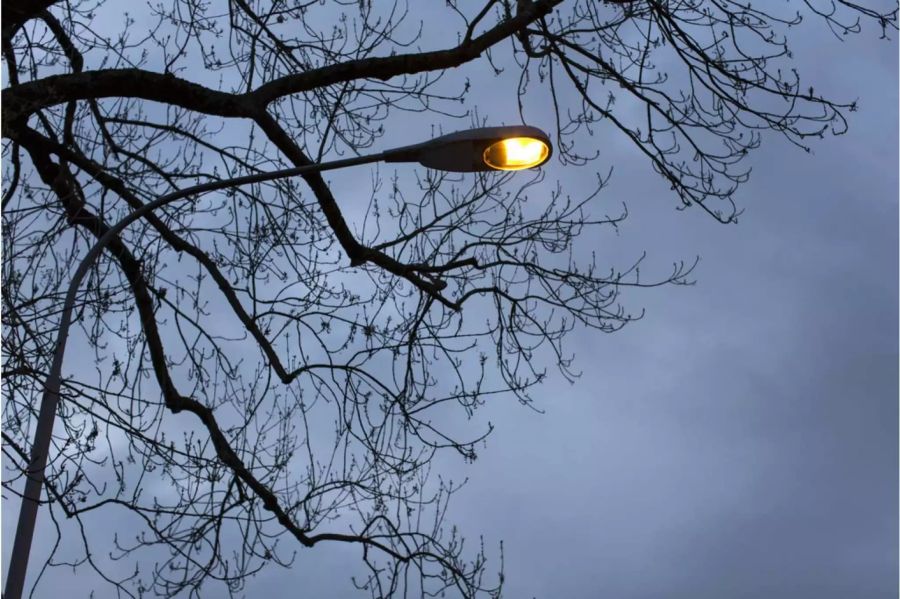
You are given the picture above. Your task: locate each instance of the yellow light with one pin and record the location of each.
(516, 153)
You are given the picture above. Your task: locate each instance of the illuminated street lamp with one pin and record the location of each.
(474, 150)
(487, 149)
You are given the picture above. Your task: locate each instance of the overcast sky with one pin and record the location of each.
(740, 440)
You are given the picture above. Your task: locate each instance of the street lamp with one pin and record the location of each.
(474, 150)
(486, 149)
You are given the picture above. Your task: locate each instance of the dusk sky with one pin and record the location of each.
(738, 441)
(741, 440)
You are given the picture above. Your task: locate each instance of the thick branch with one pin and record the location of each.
(16, 12)
(24, 99)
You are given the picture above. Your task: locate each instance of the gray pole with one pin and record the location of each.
(18, 564)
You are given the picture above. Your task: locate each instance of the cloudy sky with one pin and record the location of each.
(740, 440)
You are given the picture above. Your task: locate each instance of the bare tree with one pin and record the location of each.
(276, 367)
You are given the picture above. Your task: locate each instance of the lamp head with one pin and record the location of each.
(475, 150)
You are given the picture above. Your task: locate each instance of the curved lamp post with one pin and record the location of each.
(474, 150)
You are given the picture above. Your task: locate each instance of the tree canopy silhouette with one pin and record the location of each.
(276, 366)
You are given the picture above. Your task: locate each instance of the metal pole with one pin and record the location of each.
(18, 564)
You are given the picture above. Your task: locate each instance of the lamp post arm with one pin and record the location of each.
(34, 479)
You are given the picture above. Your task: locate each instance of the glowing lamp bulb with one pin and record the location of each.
(516, 153)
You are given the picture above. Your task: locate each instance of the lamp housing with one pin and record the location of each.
(512, 147)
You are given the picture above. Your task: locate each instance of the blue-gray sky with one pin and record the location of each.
(741, 439)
